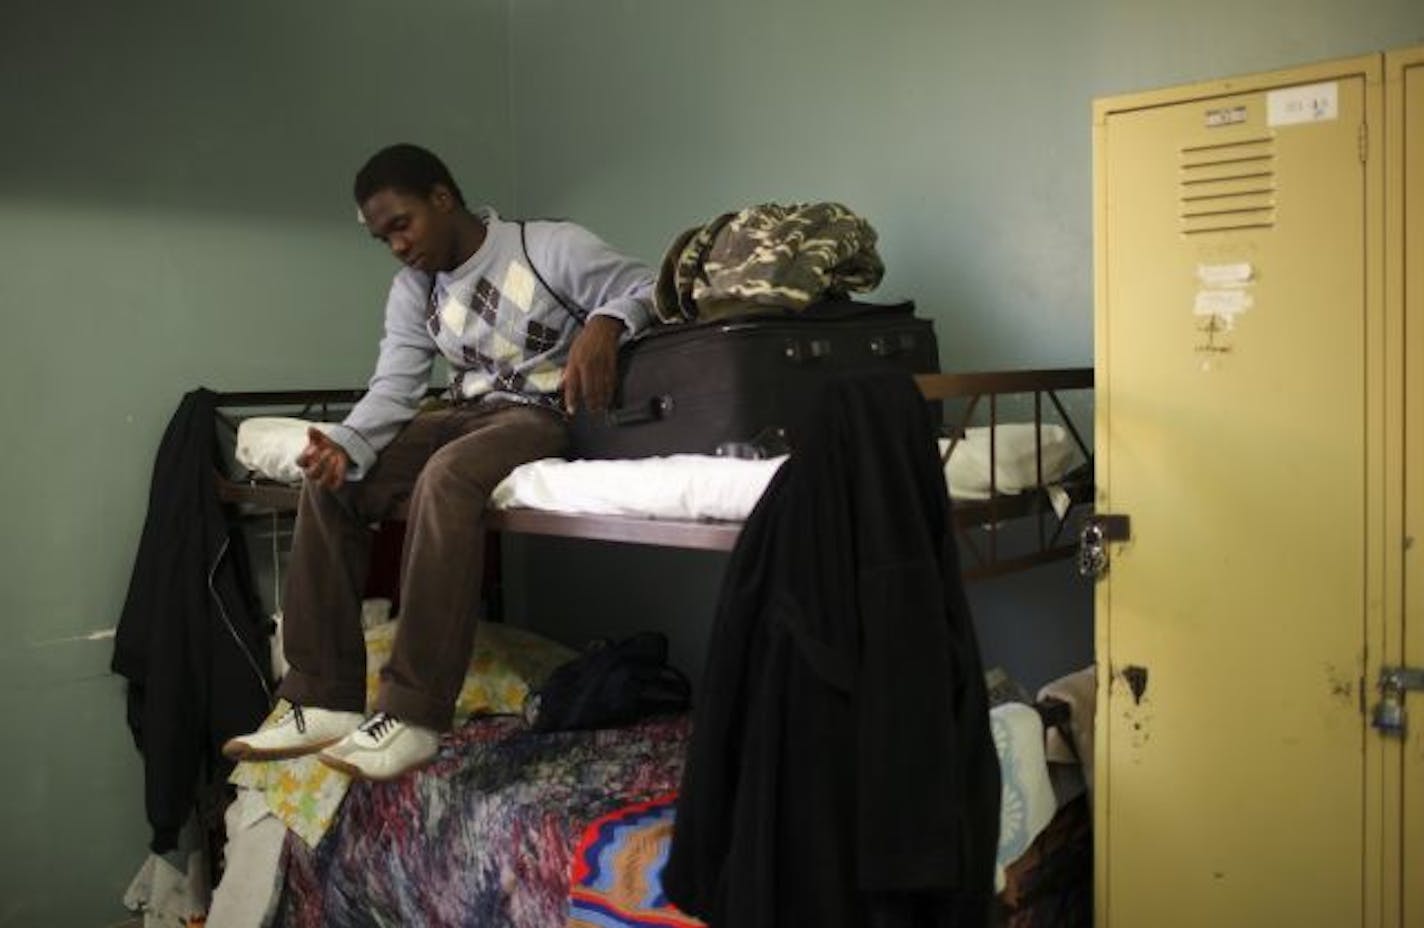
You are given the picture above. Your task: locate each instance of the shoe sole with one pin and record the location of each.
(240, 751)
(356, 773)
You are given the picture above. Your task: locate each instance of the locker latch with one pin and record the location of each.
(1093, 541)
(1388, 715)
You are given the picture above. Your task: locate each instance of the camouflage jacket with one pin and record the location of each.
(766, 256)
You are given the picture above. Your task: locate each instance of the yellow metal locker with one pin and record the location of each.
(1243, 428)
(1405, 174)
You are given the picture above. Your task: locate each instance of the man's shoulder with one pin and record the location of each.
(558, 238)
(554, 226)
(410, 286)
(410, 278)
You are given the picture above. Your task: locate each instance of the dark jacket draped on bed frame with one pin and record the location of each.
(841, 771)
(191, 640)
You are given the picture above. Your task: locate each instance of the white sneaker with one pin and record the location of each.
(297, 732)
(382, 748)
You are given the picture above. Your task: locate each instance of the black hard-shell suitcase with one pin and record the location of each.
(745, 384)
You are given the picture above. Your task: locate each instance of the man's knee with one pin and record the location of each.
(319, 496)
(455, 471)
(327, 503)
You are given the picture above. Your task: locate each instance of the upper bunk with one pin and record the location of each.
(1014, 515)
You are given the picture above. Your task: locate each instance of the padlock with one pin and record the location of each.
(1389, 711)
(1092, 552)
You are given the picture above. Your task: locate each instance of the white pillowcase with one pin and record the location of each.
(1014, 459)
(1027, 802)
(268, 446)
(679, 486)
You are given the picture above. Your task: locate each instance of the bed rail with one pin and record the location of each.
(981, 524)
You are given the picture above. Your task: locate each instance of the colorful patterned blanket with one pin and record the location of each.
(482, 836)
(507, 661)
(617, 875)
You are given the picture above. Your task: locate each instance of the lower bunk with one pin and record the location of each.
(513, 828)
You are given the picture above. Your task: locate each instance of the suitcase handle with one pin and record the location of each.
(799, 352)
(657, 407)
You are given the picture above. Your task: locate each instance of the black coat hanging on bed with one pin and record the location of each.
(192, 639)
(841, 771)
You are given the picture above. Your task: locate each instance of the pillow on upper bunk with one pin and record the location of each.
(268, 446)
(1015, 462)
(679, 486)
(698, 486)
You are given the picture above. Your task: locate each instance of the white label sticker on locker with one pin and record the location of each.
(1311, 103)
(1225, 116)
(1226, 275)
(1222, 302)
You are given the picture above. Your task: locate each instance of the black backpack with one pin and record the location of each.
(610, 684)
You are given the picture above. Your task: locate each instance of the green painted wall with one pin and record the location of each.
(960, 128)
(175, 210)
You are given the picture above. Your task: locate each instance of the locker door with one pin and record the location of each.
(1233, 331)
(1407, 264)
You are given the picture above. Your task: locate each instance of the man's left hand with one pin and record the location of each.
(591, 372)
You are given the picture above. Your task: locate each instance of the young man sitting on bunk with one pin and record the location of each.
(529, 319)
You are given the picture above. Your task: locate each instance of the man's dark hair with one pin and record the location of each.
(407, 168)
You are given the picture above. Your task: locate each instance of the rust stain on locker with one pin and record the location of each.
(1136, 678)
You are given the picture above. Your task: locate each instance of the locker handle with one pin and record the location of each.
(656, 408)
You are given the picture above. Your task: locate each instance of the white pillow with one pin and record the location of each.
(268, 446)
(680, 486)
(1015, 466)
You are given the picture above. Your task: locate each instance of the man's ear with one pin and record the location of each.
(442, 199)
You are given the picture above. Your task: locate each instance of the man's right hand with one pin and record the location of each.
(323, 460)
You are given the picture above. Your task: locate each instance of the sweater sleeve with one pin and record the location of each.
(400, 381)
(588, 272)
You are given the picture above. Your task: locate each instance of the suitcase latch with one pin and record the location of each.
(798, 352)
(888, 346)
(656, 408)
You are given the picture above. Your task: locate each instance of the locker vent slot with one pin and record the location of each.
(1227, 186)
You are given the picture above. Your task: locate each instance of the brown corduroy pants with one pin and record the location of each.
(444, 464)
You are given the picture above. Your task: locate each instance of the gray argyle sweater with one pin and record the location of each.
(502, 332)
